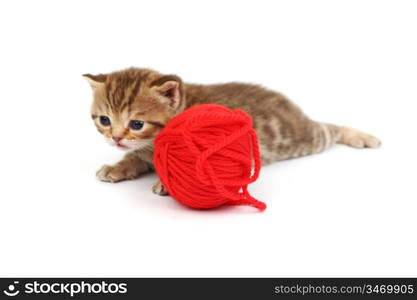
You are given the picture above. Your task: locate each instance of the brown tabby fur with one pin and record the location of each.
(141, 94)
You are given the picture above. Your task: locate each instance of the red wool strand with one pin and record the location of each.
(207, 156)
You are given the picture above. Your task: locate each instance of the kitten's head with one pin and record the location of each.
(131, 107)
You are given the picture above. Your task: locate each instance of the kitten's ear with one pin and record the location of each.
(169, 89)
(95, 80)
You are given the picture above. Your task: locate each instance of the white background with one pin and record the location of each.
(346, 212)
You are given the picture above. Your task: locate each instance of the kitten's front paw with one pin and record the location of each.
(159, 189)
(116, 173)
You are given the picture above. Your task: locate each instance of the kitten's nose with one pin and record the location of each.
(117, 139)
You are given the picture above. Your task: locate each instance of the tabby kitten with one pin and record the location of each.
(132, 106)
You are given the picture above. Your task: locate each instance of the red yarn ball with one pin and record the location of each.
(207, 155)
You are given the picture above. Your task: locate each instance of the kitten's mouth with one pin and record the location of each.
(121, 146)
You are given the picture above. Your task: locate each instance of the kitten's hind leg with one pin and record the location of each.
(314, 137)
(329, 134)
(357, 139)
(130, 167)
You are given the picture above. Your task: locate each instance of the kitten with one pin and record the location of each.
(132, 106)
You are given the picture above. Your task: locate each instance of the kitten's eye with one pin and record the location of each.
(136, 125)
(105, 121)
